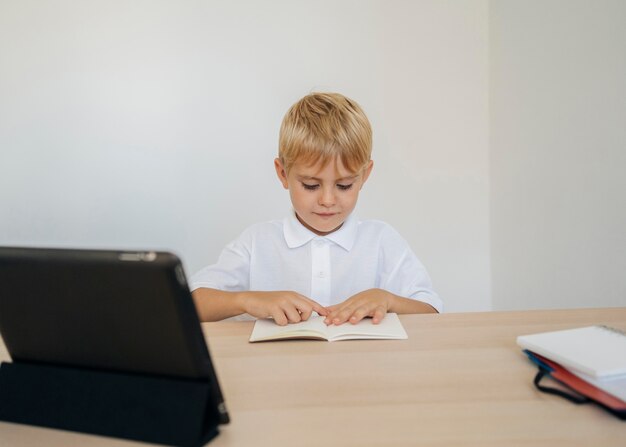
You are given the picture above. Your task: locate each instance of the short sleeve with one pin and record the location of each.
(403, 274)
(231, 273)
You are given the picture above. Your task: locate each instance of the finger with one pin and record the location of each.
(333, 308)
(329, 317)
(279, 317)
(334, 313)
(379, 314)
(359, 314)
(329, 312)
(321, 310)
(292, 314)
(342, 315)
(314, 305)
(305, 311)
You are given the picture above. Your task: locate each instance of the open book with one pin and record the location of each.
(314, 328)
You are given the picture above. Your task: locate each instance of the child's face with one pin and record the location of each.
(322, 196)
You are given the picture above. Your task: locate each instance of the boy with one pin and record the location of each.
(321, 258)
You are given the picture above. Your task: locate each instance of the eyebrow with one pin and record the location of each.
(342, 179)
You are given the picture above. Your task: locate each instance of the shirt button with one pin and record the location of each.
(321, 274)
(319, 243)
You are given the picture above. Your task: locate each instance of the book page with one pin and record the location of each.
(389, 328)
(266, 329)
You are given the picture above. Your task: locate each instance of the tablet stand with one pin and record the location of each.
(156, 409)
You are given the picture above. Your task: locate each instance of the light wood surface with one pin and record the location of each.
(459, 380)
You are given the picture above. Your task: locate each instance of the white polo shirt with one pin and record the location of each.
(285, 255)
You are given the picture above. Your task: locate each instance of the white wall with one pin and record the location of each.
(558, 153)
(153, 124)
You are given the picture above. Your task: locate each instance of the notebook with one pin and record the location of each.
(611, 396)
(314, 328)
(597, 351)
(615, 386)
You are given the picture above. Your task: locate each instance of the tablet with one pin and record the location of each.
(106, 310)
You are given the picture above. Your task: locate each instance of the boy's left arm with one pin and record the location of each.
(374, 303)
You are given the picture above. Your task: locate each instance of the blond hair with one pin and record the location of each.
(322, 127)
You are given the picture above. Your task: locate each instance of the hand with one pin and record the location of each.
(283, 306)
(370, 303)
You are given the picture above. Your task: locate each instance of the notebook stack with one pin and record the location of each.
(588, 362)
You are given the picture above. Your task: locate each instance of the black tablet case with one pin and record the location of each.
(105, 342)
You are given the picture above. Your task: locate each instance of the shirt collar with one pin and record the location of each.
(297, 234)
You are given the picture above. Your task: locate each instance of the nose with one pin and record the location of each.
(327, 197)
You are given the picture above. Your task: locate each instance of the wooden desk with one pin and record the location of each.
(460, 380)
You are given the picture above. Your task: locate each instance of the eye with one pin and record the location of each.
(310, 187)
(344, 187)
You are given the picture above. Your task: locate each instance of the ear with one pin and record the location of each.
(367, 171)
(281, 173)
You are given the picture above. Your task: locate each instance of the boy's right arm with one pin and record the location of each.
(283, 306)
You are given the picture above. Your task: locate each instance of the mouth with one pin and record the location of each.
(325, 215)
